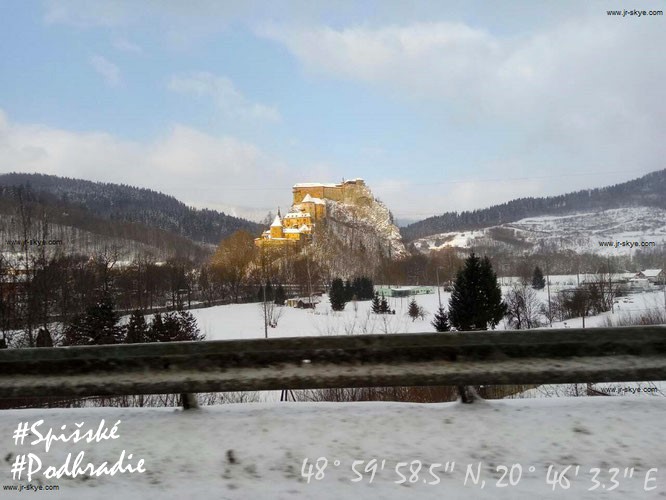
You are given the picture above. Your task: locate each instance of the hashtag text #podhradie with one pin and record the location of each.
(75, 468)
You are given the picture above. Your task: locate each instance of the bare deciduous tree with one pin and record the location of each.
(524, 308)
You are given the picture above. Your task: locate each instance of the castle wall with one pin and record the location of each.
(314, 191)
(348, 191)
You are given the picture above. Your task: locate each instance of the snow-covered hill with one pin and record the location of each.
(643, 227)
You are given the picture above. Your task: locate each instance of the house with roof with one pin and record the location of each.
(655, 276)
(304, 302)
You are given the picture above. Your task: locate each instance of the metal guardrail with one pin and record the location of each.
(459, 358)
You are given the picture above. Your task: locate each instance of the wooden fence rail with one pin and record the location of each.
(461, 358)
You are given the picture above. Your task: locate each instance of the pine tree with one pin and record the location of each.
(170, 328)
(137, 329)
(349, 291)
(280, 295)
(376, 305)
(383, 306)
(495, 309)
(44, 338)
(156, 331)
(538, 281)
(98, 325)
(366, 289)
(337, 295)
(270, 295)
(414, 309)
(189, 330)
(356, 288)
(441, 321)
(173, 326)
(476, 300)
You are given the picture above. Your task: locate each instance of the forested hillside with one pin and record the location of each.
(121, 203)
(647, 191)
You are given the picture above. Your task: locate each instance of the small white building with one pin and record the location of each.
(304, 302)
(652, 275)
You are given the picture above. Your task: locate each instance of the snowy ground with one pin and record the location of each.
(258, 450)
(241, 321)
(246, 321)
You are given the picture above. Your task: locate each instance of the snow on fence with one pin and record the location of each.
(461, 358)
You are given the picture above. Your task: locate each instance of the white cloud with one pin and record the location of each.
(198, 168)
(125, 45)
(588, 92)
(109, 71)
(225, 96)
(437, 58)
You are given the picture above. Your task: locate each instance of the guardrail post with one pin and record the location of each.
(189, 401)
(467, 394)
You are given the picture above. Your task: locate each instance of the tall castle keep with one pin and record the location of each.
(308, 207)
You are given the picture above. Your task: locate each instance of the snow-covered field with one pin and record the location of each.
(258, 451)
(244, 321)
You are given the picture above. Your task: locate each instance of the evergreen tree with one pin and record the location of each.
(266, 293)
(376, 305)
(383, 306)
(349, 291)
(156, 331)
(465, 296)
(337, 295)
(44, 338)
(280, 295)
(476, 300)
(170, 328)
(98, 325)
(494, 309)
(174, 326)
(538, 281)
(414, 309)
(356, 288)
(441, 321)
(366, 289)
(137, 329)
(189, 330)
(270, 295)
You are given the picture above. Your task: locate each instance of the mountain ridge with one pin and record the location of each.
(648, 190)
(124, 203)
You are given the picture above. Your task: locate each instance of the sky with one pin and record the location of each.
(439, 105)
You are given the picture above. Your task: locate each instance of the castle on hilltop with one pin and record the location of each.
(309, 206)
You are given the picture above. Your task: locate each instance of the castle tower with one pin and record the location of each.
(276, 228)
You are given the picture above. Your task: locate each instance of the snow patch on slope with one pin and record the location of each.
(580, 232)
